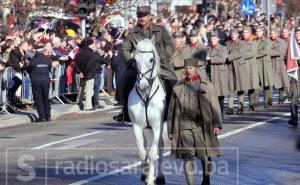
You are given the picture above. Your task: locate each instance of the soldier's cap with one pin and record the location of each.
(177, 34)
(247, 29)
(259, 27)
(143, 11)
(239, 25)
(285, 29)
(273, 30)
(194, 33)
(214, 34)
(234, 30)
(191, 62)
(297, 29)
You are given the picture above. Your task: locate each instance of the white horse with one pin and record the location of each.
(146, 108)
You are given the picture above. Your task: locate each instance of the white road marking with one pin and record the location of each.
(75, 144)
(61, 141)
(222, 136)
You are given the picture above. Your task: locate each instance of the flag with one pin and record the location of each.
(46, 24)
(293, 54)
(74, 52)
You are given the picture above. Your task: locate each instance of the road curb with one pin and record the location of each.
(23, 118)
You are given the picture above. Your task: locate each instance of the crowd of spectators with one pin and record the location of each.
(18, 45)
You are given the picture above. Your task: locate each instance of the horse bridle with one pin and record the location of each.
(143, 75)
(150, 81)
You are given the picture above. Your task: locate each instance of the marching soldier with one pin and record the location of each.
(294, 92)
(194, 121)
(216, 58)
(285, 34)
(250, 58)
(180, 54)
(265, 71)
(240, 81)
(278, 52)
(198, 51)
(165, 47)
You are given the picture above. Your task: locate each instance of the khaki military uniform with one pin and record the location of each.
(192, 115)
(281, 81)
(165, 47)
(177, 60)
(219, 69)
(200, 51)
(240, 81)
(265, 70)
(250, 58)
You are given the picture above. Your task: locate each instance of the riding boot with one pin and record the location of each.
(189, 171)
(168, 88)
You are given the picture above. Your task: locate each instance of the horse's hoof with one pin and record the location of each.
(143, 177)
(160, 180)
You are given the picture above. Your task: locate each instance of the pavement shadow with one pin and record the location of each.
(116, 124)
(31, 116)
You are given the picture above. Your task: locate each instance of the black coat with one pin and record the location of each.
(99, 61)
(14, 59)
(85, 62)
(39, 67)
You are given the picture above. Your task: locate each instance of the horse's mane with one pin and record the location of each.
(147, 45)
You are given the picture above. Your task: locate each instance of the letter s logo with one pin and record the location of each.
(29, 169)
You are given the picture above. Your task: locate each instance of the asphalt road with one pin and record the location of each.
(259, 148)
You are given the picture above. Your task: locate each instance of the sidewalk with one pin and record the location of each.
(57, 110)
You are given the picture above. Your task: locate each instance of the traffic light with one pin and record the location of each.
(85, 7)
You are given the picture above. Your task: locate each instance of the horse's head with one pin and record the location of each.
(147, 62)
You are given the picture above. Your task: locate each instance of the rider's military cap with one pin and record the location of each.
(143, 11)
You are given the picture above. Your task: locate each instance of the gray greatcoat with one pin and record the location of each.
(219, 69)
(236, 52)
(250, 58)
(211, 113)
(177, 61)
(278, 53)
(263, 57)
(200, 52)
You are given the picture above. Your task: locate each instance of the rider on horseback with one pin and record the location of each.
(165, 46)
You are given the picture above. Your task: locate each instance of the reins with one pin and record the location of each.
(150, 81)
